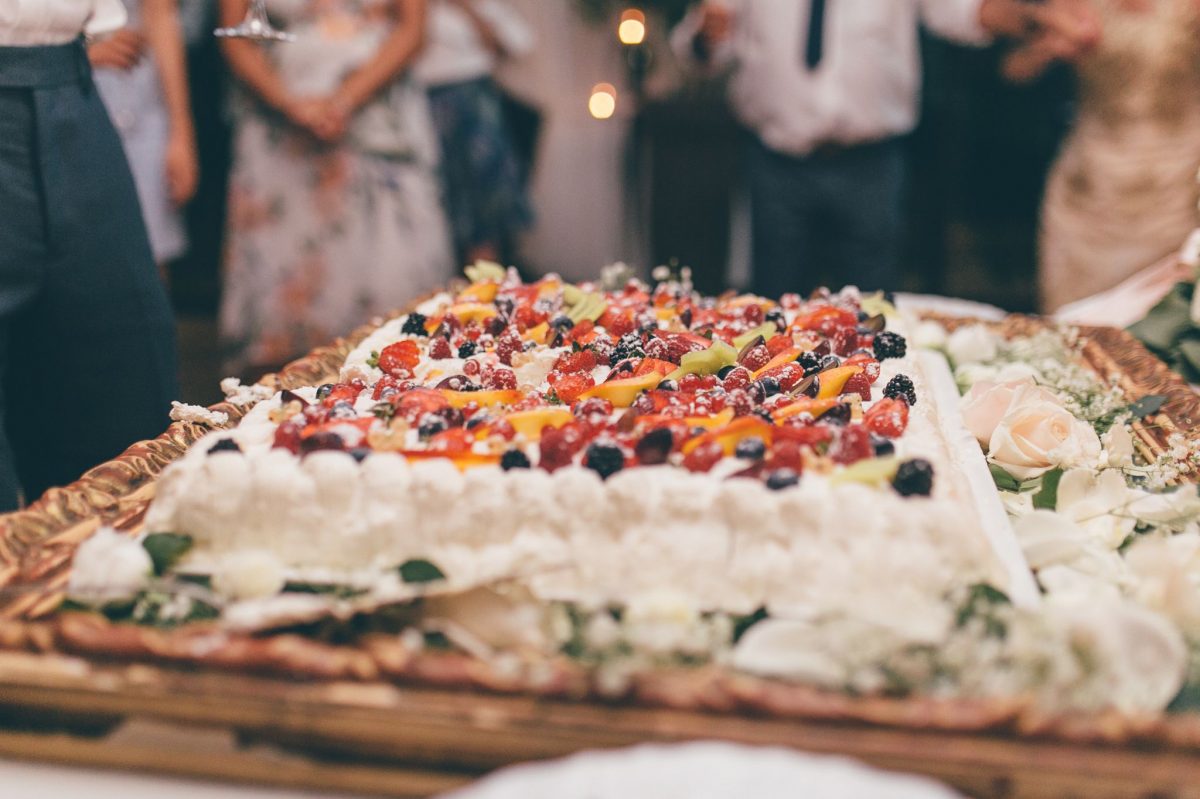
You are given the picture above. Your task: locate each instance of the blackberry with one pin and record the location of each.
(630, 346)
(901, 386)
(782, 478)
(224, 445)
(466, 349)
(889, 344)
(604, 459)
(360, 454)
(809, 362)
(324, 390)
(914, 478)
(514, 459)
(751, 448)
(776, 315)
(414, 325)
(655, 446)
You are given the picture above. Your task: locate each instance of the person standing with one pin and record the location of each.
(141, 72)
(86, 334)
(334, 211)
(829, 88)
(1122, 194)
(482, 188)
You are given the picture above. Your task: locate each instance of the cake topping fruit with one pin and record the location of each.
(914, 478)
(604, 458)
(901, 386)
(889, 344)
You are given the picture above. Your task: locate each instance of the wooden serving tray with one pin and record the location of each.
(371, 726)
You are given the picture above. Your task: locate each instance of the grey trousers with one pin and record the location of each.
(87, 341)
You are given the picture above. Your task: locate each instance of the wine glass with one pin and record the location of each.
(255, 26)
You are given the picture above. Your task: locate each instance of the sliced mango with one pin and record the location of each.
(480, 292)
(785, 357)
(532, 422)
(834, 380)
(816, 407)
(729, 435)
(461, 399)
(621, 393)
(463, 460)
(538, 333)
(472, 311)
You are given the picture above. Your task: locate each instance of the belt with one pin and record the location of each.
(43, 66)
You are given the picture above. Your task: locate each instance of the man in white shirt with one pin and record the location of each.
(829, 88)
(87, 353)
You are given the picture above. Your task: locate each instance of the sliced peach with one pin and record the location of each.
(538, 333)
(481, 292)
(714, 422)
(785, 357)
(816, 407)
(653, 365)
(461, 399)
(834, 380)
(463, 460)
(472, 311)
(532, 422)
(729, 435)
(621, 393)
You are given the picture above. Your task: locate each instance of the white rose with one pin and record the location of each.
(109, 567)
(1038, 434)
(985, 405)
(930, 336)
(1118, 446)
(972, 344)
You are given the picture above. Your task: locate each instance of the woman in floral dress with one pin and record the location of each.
(334, 209)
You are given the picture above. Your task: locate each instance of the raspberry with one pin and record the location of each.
(739, 399)
(506, 346)
(401, 355)
(853, 445)
(690, 382)
(888, 417)
(786, 454)
(859, 384)
(472, 368)
(789, 375)
(738, 377)
(778, 343)
(901, 386)
(756, 358)
(845, 341)
(287, 436)
(439, 349)
(526, 317)
(581, 330)
(568, 387)
(500, 379)
(914, 478)
(888, 344)
(414, 404)
(659, 350)
(678, 347)
(579, 361)
(753, 314)
(703, 457)
(595, 406)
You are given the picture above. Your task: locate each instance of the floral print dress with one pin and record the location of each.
(322, 237)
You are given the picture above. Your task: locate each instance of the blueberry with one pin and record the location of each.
(561, 322)
(324, 391)
(432, 424)
(604, 459)
(914, 478)
(769, 385)
(882, 446)
(751, 448)
(342, 409)
(514, 459)
(782, 478)
(360, 453)
(724, 371)
(668, 385)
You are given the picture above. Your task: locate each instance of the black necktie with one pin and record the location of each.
(815, 46)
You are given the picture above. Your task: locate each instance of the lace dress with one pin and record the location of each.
(322, 237)
(1123, 193)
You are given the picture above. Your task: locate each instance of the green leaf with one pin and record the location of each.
(1147, 406)
(165, 549)
(420, 571)
(981, 600)
(742, 624)
(1004, 481)
(1167, 321)
(373, 359)
(1047, 496)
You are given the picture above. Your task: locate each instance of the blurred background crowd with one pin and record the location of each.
(1021, 153)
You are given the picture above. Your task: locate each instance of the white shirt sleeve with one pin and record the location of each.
(957, 20)
(513, 33)
(107, 16)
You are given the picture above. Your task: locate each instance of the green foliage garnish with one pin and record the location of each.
(373, 359)
(165, 549)
(1004, 481)
(1047, 496)
(420, 571)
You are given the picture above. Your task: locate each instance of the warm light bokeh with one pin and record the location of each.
(632, 29)
(603, 102)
